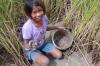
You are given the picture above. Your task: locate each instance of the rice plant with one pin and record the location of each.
(82, 16)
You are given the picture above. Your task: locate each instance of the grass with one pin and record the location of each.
(82, 16)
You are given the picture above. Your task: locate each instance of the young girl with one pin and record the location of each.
(35, 29)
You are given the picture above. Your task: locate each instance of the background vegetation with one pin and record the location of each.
(82, 16)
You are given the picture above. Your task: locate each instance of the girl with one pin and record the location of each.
(35, 29)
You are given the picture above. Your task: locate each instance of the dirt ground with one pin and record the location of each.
(76, 59)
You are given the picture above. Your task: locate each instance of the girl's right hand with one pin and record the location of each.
(33, 44)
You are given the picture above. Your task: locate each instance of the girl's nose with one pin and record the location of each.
(38, 14)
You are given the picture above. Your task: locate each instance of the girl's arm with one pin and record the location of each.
(51, 28)
(30, 44)
(54, 28)
(26, 44)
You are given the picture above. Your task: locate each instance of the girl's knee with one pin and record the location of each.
(57, 54)
(42, 60)
(45, 61)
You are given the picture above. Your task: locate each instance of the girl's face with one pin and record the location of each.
(37, 13)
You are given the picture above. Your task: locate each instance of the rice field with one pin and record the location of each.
(81, 16)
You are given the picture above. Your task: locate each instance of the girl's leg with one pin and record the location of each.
(51, 49)
(56, 53)
(38, 58)
(41, 60)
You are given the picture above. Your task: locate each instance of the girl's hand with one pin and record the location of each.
(33, 44)
(64, 28)
(61, 28)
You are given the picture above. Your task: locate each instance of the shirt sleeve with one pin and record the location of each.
(26, 33)
(46, 20)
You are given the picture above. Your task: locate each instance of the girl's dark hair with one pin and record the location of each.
(28, 7)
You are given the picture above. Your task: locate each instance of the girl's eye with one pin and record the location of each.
(37, 11)
(40, 10)
(34, 12)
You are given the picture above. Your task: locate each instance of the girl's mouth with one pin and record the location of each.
(37, 18)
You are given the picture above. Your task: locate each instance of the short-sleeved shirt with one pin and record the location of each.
(30, 31)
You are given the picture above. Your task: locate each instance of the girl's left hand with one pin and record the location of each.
(61, 28)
